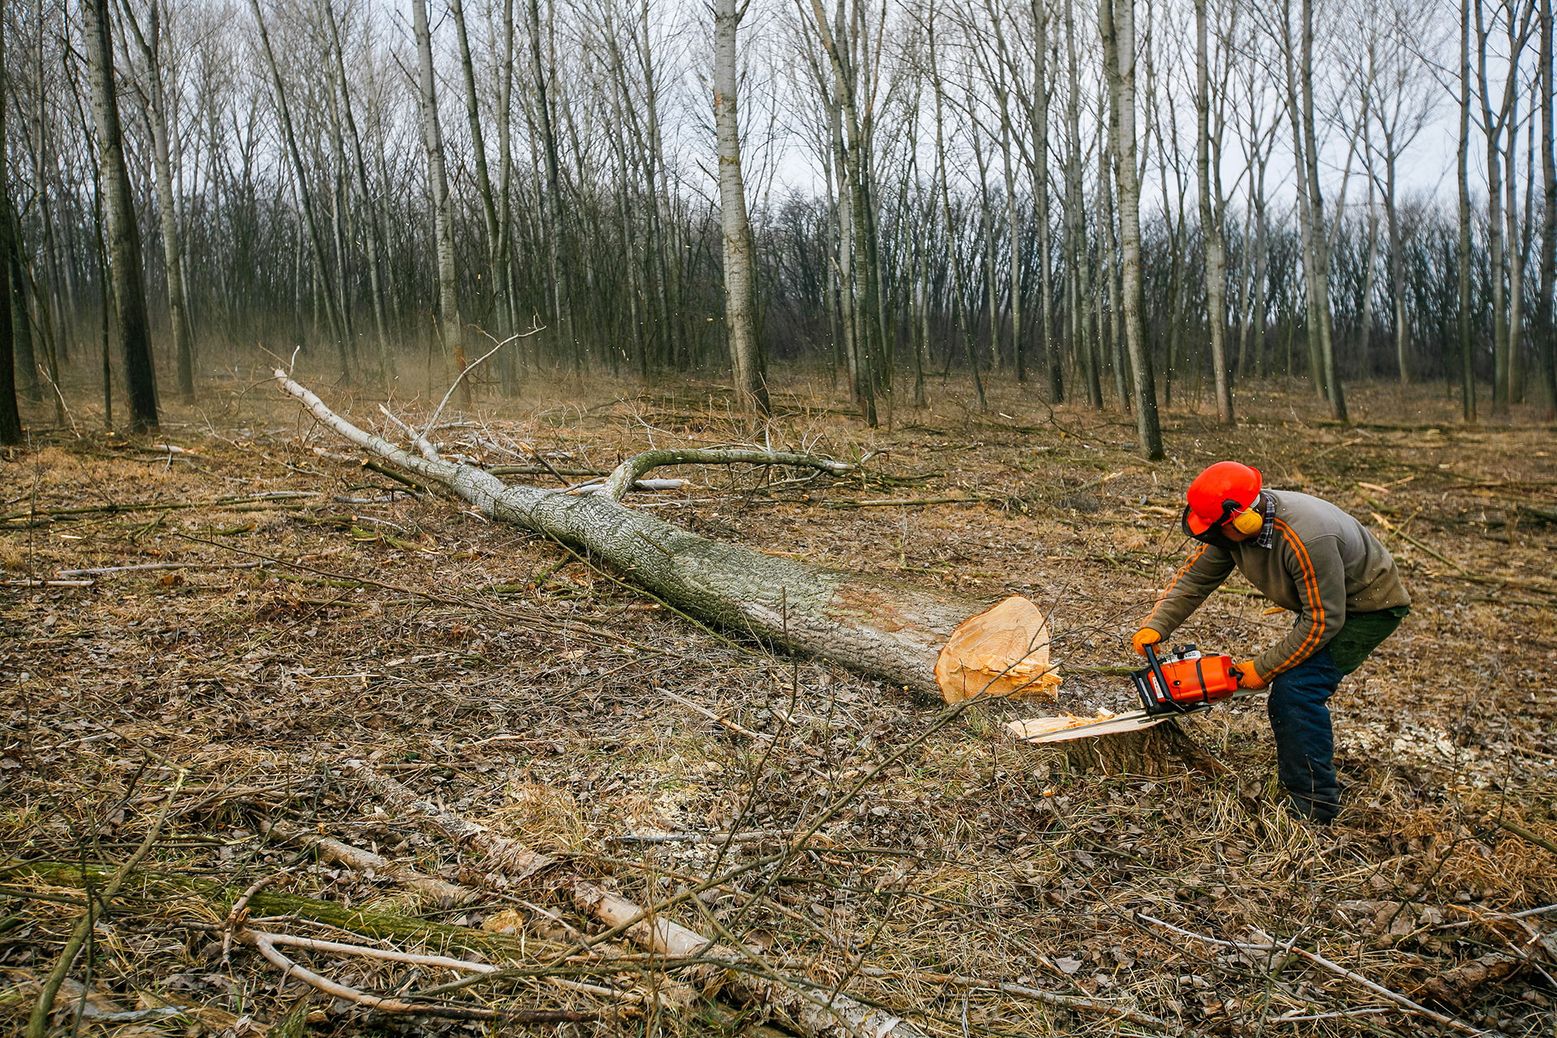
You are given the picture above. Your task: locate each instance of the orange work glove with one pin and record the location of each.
(1248, 677)
(1142, 638)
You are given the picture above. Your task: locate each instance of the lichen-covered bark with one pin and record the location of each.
(869, 626)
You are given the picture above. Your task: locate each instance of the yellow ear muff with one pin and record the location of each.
(1248, 521)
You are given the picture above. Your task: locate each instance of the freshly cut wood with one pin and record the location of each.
(1037, 727)
(908, 636)
(1002, 651)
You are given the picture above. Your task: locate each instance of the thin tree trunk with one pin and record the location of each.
(483, 178)
(1117, 24)
(10, 417)
(560, 297)
(156, 108)
(305, 201)
(1545, 332)
(1041, 94)
(959, 291)
(375, 234)
(1516, 255)
(1365, 310)
(1319, 309)
(14, 274)
(1211, 223)
(739, 277)
(1082, 343)
(124, 239)
(1493, 124)
(1467, 357)
(1397, 270)
(438, 189)
(505, 233)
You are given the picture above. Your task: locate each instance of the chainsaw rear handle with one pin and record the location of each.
(1162, 683)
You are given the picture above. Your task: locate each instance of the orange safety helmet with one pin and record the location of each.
(1219, 495)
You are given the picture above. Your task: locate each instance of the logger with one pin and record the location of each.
(1306, 556)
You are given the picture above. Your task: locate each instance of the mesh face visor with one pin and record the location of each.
(1213, 533)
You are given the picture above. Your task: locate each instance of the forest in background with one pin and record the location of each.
(296, 742)
(1013, 191)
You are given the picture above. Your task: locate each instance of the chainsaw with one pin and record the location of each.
(1183, 681)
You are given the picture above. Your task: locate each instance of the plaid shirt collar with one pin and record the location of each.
(1267, 506)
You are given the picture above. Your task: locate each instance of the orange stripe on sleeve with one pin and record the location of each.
(1311, 582)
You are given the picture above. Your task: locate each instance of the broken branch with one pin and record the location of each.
(631, 470)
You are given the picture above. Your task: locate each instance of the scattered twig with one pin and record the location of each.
(265, 944)
(34, 582)
(473, 365)
(279, 498)
(599, 486)
(418, 441)
(239, 911)
(912, 502)
(382, 954)
(1271, 947)
(142, 567)
(399, 477)
(38, 1023)
(1072, 1002)
(1525, 834)
(441, 891)
(825, 1013)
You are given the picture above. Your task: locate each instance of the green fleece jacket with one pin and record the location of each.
(1310, 557)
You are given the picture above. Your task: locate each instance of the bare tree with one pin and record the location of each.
(1498, 118)
(1545, 332)
(124, 240)
(1211, 219)
(151, 42)
(1116, 22)
(1463, 256)
(1311, 194)
(10, 418)
(438, 191)
(496, 260)
(1401, 104)
(739, 303)
(333, 307)
(1083, 347)
(374, 229)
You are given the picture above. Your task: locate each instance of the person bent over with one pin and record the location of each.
(1306, 555)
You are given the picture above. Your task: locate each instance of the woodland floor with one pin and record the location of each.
(512, 683)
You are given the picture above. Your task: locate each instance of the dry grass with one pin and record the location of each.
(519, 687)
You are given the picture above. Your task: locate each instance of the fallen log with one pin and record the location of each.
(927, 642)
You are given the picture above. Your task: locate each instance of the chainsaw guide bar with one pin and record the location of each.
(1040, 730)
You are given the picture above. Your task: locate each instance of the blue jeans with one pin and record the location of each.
(1304, 744)
(1301, 721)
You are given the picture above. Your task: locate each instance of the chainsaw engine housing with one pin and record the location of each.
(1182, 680)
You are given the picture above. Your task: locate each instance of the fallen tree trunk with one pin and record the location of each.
(931, 643)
